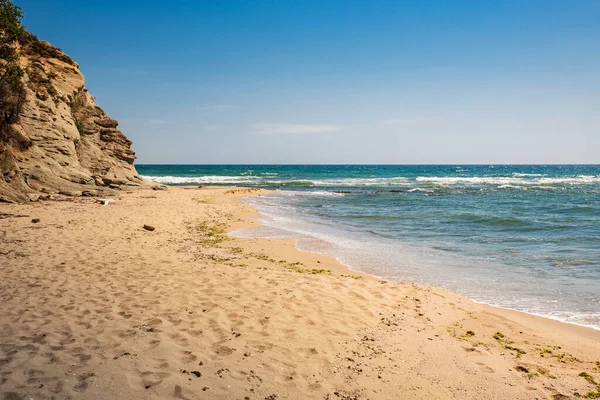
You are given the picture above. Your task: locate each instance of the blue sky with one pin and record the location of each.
(339, 81)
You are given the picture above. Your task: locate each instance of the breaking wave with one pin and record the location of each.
(501, 181)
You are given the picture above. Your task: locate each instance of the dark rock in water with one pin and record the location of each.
(390, 191)
(342, 192)
(35, 220)
(149, 228)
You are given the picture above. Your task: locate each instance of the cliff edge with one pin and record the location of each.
(54, 138)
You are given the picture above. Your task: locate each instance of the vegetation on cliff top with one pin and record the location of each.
(12, 92)
(14, 41)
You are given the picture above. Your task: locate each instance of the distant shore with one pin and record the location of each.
(97, 306)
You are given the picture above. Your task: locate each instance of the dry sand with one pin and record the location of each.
(93, 306)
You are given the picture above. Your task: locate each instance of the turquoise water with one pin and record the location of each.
(525, 237)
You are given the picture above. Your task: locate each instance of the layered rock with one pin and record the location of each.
(62, 141)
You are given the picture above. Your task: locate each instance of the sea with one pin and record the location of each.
(522, 237)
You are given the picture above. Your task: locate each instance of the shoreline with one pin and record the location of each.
(351, 269)
(99, 307)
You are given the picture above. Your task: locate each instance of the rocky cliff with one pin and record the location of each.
(61, 141)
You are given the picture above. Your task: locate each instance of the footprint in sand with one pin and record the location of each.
(150, 379)
(472, 350)
(154, 322)
(178, 393)
(485, 368)
(125, 315)
(82, 381)
(188, 357)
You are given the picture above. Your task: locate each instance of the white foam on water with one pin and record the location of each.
(516, 179)
(510, 187)
(520, 175)
(393, 181)
(503, 181)
(319, 193)
(202, 179)
(267, 178)
(306, 193)
(420, 190)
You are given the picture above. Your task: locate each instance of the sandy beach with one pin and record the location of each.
(95, 306)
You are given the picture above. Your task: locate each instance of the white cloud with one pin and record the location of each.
(293, 129)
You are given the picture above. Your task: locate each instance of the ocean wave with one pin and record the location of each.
(522, 175)
(394, 181)
(309, 193)
(509, 187)
(517, 180)
(181, 180)
(506, 181)
(323, 193)
(267, 179)
(567, 263)
(490, 220)
(420, 190)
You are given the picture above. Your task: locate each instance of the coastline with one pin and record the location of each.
(373, 275)
(515, 315)
(253, 317)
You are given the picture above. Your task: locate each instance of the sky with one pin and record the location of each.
(385, 82)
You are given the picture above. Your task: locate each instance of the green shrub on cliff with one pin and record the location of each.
(12, 92)
(10, 22)
(34, 46)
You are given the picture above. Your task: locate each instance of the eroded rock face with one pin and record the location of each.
(63, 141)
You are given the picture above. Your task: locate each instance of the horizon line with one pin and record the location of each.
(383, 164)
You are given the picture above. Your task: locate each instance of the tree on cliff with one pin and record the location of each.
(10, 22)
(12, 92)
